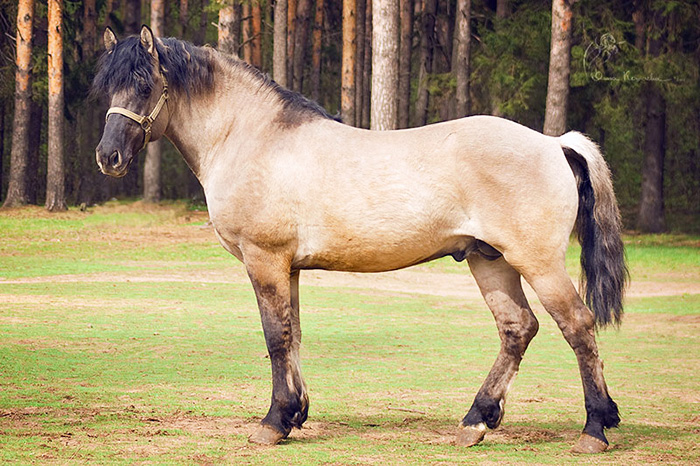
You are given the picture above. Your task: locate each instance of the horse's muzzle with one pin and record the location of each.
(114, 163)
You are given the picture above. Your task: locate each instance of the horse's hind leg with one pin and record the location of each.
(517, 325)
(276, 290)
(577, 323)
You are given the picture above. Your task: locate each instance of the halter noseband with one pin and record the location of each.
(144, 121)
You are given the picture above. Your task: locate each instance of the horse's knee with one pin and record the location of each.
(516, 336)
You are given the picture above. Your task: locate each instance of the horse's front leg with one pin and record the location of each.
(276, 289)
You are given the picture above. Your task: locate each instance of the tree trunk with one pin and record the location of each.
(360, 51)
(651, 217)
(17, 187)
(367, 69)
(279, 45)
(132, 16)
(36, 121)
(301, 38)
(651, 207)
(406, 48)
(154, 149)
(89, 29)
(256, 31)
(347, 92)
(200, 36)
(385, 64)
(427, 45)
(639, 19)
(55, 178)
(316, 51)
(184, 16)
(246, 33)
(460, 58)
(559, 69)
(229, 28)
(291, 29)
(502, 9)
(502, 12)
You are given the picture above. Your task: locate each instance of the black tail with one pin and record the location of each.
(599, 228)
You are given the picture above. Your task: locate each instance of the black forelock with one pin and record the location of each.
(129, 66)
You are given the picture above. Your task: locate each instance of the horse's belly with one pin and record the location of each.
(358, 254)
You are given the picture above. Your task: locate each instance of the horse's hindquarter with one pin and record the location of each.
(341, 198)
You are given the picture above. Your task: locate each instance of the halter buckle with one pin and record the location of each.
(146, 123)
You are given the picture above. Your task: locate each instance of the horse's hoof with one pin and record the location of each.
(588, 444)
(266, 435)
(468, 436)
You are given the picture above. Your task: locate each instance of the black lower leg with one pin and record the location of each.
(601, 413)
(484, 410)
(290, 405)
(284, 416)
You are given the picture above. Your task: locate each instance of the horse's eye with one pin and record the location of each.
(145, 91)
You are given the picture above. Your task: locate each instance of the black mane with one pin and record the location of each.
(189, 69)
(129, 66)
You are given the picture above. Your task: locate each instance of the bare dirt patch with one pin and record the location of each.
(409, 281)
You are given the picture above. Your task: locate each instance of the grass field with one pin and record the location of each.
(128, 335)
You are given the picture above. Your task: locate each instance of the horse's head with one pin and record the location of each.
(131, 75)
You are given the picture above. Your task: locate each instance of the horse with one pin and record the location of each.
(291, 188)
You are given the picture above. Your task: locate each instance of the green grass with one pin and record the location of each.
(100, 368)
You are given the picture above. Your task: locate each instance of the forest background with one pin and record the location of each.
(630, 73)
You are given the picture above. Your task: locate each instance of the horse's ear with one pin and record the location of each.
(110, 39)
(148, 41)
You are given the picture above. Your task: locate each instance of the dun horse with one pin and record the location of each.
(289, 188)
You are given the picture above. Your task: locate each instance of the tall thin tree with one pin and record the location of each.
(360, 51)
(559, 69)
(291, 29)
(17, 188)
(405, 51)
(301, 38)
(347, 90)
(367, 68)
(200, 34)
(154, 150)
(132, 16)
(385, 64)
(256, 34)
(502, 12)
(427, 46)
(247, 32)
(229, 27)
(316, 51)
(55, 177)
(461, 59)
(652, 218)
(279, 44)
(184, 17)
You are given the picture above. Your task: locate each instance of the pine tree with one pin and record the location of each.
(55, 178)
(385, 64)
(17, 188)
(154, 150)
(559, 69)
(347, 92)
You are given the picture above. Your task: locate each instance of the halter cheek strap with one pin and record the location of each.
(144, 121)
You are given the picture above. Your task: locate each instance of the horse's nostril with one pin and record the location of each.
(115, 160)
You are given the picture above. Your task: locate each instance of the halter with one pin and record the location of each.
(144, 121)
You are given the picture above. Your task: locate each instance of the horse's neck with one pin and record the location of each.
(205, 125)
